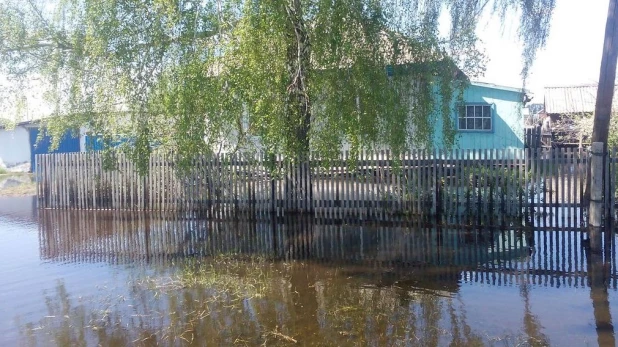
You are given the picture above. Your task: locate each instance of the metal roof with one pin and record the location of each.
(572, 99)
(497, 86)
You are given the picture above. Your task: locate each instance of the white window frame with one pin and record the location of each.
(475, 118)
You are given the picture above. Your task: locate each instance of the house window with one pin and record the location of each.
(475, 117)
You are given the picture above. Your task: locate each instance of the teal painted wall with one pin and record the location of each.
(508, 122)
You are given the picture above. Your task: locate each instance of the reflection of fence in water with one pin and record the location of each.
(541, 257)
(111, 236)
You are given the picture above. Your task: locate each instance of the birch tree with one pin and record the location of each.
(200, 76)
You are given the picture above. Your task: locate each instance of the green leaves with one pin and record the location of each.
(287, 77)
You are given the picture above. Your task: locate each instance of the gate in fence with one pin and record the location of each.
(541, 186)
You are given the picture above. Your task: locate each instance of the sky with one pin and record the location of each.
(572, 55)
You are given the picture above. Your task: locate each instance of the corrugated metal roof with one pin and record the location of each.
(573, 99)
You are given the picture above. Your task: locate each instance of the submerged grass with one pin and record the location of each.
(240, 300)
(249, 277)
(25, 189)
(23, 185)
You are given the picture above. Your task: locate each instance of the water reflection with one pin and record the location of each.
(493, 256)
(317, 282)
(21, 209)
(315, 309)
(532, 326)
(599, 275)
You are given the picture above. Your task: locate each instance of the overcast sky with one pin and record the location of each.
(572, 55)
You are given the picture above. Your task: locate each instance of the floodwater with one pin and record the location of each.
(14, 180)
(115, 279)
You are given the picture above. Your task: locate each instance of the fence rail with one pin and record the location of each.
(491, 187)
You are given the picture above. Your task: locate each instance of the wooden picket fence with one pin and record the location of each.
(488, 187)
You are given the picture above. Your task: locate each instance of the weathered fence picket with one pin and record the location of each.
(461, 186)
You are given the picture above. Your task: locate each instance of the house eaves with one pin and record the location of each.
(500, 87)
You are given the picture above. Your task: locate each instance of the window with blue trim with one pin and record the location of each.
(475, 118)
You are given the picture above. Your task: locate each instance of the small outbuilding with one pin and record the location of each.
(20, 144)
(570, 110)
(14, 146)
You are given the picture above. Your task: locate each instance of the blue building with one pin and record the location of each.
(491, 117)
(70, 143)
(21, 143)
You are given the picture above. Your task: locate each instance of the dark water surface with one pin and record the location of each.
(114, 279)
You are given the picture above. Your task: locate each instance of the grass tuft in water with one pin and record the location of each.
(245, 278)
(20, 184)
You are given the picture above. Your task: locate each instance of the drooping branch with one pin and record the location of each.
(299, 75)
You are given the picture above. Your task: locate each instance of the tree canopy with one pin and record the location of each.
(199, 76)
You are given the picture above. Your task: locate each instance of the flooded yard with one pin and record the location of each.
(17, 184)
(87, 278)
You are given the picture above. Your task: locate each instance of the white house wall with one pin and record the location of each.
(14, 146)
(83, 131)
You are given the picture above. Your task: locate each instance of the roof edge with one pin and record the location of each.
(501, 87)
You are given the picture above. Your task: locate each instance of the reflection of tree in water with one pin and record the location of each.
(391, 316)
(462, 333)
(331, 284)
(70, 323)
(253, 302)
(598, 277)
(532, 326)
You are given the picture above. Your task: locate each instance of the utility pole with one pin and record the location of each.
(607, 77)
